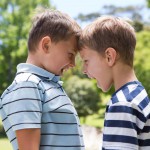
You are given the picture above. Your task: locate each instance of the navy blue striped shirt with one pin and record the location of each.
(127, 119)
(36, 99)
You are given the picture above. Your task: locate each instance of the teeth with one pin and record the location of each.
(65, 69)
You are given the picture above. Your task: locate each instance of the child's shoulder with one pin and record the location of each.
(21, 82)
(132, 94)
(22, 79)
(27, 77)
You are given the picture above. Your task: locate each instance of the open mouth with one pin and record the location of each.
(64, 70)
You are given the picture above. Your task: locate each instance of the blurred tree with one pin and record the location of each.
(142, 57)
(133, 12)
(84, 95)
(15, 21)
(88, 17)
(148, 3)
(138, 26)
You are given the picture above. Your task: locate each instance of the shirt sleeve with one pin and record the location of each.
(123, 123)
(23, 106)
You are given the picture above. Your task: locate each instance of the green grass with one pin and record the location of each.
(5, 144)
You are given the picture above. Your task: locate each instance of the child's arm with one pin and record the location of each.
(28, 139)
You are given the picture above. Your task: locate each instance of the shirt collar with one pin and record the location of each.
(29, 68)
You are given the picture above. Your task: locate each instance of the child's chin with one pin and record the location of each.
(102, 88)
(98, 85)
(106, 89)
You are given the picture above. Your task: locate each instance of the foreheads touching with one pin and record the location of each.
(110, 32)
(54, 24)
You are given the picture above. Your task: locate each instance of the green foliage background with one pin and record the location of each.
(142, 58)
(90, 102)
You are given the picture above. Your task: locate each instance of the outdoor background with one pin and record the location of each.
(90, 102)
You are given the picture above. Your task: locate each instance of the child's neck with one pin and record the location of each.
(34, 59)
(122, 75)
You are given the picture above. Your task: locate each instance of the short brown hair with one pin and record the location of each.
(109, 31)
(55, 24)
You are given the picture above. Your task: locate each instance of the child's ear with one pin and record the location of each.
(46, 43)
(110, 55)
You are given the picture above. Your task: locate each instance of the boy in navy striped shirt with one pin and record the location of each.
(36, 112)
(107, 49)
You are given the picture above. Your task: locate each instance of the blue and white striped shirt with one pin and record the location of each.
(127, 119)
(36, 99)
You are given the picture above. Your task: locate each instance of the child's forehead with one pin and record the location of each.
(85, 51)
(73, 44)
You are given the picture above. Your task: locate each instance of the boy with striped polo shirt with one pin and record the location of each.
(107, 50)
(36, 112)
